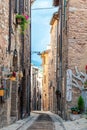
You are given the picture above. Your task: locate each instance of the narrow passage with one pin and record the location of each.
(43, 122)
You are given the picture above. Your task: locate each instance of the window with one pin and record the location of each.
(26, 5)
(16, 6)
(64, 12)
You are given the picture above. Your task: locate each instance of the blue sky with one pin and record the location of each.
(40, 25)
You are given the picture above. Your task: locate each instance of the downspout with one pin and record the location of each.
(29, 63)
(21, 10)
(10, 17)
(60, 55)
(30, 57)
(57, 79)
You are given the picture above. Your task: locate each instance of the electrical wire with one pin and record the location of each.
(43, 8)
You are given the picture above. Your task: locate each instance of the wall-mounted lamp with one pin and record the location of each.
(15, 53)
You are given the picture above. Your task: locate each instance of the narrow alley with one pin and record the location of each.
(43, 64)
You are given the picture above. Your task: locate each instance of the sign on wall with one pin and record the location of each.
(69, 85)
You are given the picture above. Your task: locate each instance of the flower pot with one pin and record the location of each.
(85, 86)
(74, 112)
(2, 92)
(22, 20)
(12, 78)
(18, 21)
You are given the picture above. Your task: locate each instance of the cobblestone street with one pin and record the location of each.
(44, 122)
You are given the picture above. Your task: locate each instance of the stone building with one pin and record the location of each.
(45, 82)
(40, 89)
(36, 88)
(52, 76)
(14, 61)
(6, 111)
(72, 38)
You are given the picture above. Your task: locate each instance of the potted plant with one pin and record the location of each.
(75, 110)
(22, 20)
(81, 104)
(13, 76)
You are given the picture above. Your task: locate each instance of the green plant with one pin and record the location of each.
(23, 21)
(76, 109)
(81, 104)
(85, 84)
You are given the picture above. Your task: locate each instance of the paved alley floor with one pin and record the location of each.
(47, 121)
(43, 122)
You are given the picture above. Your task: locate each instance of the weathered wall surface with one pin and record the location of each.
(6, 60)
(53, 64)
(77, 34)
(4, 16)
(77, 40)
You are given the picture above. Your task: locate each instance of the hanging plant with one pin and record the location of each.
(23, 21)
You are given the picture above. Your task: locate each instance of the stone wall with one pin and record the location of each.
(53, 64)
(14, 99)
(6, 59)
(77, 34)
(74, 44)
(4, 16)
(77, 41)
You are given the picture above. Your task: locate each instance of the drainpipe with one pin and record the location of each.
(10, 17)
(60, 55)
(29, 89)
(21, 10)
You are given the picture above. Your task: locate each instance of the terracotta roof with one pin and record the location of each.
(55, 2)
